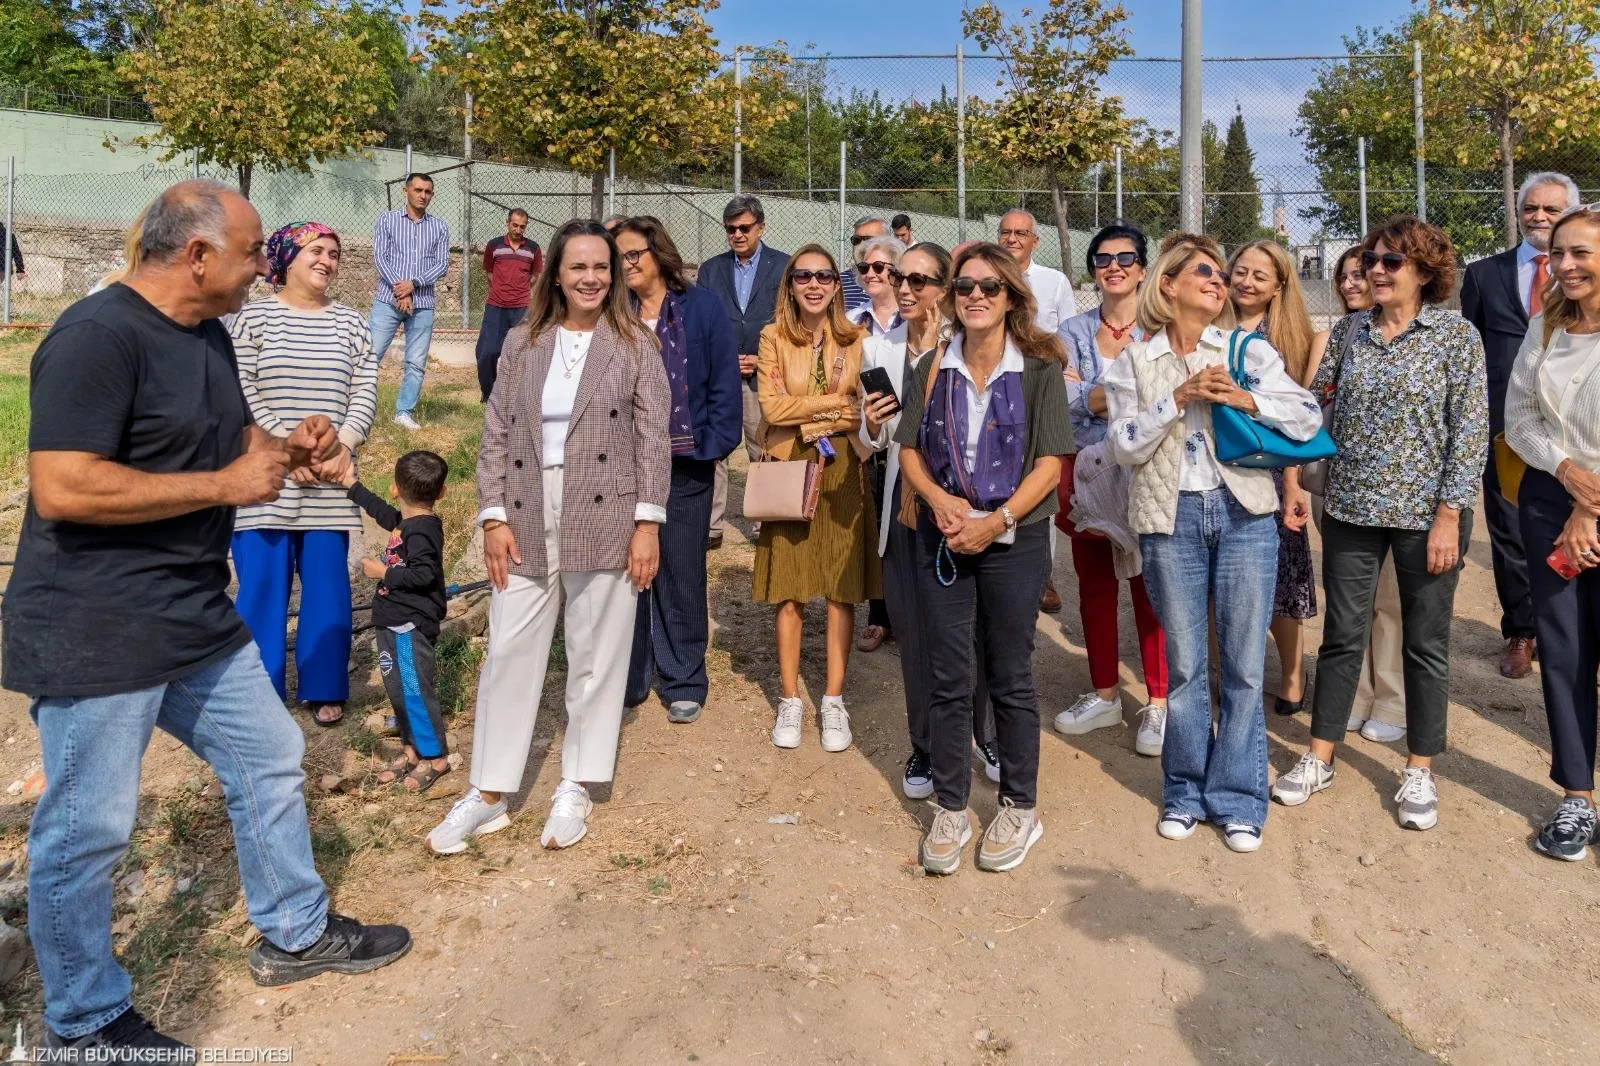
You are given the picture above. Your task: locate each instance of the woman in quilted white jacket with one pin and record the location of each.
(1208, 532)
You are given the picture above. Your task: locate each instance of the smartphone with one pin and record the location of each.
(876, 379)
(1559, 562)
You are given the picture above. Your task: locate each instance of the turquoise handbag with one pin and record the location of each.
(1242, 441)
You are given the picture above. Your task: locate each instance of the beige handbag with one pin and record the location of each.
(786, 490)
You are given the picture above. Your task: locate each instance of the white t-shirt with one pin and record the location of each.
(561, 391)
(1053, 294)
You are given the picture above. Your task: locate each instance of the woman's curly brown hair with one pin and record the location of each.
(1427, 246)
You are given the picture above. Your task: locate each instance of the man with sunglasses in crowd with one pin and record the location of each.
(865, 229)
(1498, 296)
(746, 277)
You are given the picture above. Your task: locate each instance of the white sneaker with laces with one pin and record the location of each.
(786, 729)
(405, 421)
(835, 723)
(470, 817)
(1381, 732)
(1241, 837)
(1417, 800)
(1309, 776)
(1089, 713)
(569, 816)
(1152, 731)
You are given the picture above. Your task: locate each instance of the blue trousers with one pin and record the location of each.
(497, 322)
(386, 321)
(93, 746)
(670, 630)
(1219, 561)
(267, 561)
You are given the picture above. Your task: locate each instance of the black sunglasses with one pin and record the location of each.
(1122, 259)
(1206, 270)
(741, 229)
(877, 267)
(918, 282)
(1392, 261)
(821, 277)
(988, 286)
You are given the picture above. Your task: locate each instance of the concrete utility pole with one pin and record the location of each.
(1192, 179)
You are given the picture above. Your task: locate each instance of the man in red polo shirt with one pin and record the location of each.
(511, 262)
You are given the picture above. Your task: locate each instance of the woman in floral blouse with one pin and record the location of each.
(1411, 419)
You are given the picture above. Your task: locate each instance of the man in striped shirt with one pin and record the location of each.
(411, 250)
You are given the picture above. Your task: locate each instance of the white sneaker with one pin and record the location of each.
(1418, 799)
(1241, 837)
(1177, 826)
(1152, 731)
(405, 421)
(470, 817)
(1089, 713)
(1355, 723)
(1309, 776)
(569, 816)
(835, 722)
(786, 730)
(1382, 732)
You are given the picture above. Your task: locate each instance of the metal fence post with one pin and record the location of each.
(961, 144)
(842, 157)
(408, 160)
(1120, 215)
(1361, 180)
(738, 120)
(611, 183)
(1191, 180)
(466, 219)
(1416, 114)
(11, 236)
(808, 139)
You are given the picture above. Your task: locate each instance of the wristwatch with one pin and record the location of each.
(1008, 518)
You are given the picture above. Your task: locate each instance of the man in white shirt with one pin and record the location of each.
(1019, 235)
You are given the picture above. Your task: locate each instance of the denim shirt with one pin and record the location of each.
(1083, 355)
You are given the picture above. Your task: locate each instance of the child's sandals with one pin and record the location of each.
(422, 776)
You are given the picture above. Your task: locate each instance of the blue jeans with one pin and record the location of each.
(1220, 561)
(386, 320)
(228, 714)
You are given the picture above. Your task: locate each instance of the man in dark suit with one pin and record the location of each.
(746, 277)
(1497, 296)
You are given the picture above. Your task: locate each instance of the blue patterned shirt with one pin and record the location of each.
(410, 249)
(1083, 355)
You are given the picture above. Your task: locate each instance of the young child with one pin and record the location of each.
(407, 609)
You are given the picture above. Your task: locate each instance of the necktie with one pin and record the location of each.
(1541, 274)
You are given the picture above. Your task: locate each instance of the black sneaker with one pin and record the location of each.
(1570, 831)
(918, 783)
(988, 754)
(129, 1033)
(346, 946)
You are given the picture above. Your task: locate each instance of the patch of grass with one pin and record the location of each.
(658, 886)
(362, 741)
(13, 425)
(457, 661)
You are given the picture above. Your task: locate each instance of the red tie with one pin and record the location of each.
(1541, 274)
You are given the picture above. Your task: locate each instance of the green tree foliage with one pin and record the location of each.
(1236, 217)
(247, 84)
(40, 48)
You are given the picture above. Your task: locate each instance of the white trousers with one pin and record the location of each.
(598, 624)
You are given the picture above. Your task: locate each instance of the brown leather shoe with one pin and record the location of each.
(1518, 658)
(1050, 602)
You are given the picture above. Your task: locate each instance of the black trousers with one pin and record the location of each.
(670, 630)
(1352, 555)
(877, 474)
(406, 663)
(1511, 570)
(497, 322)
(1567, 615)
(995, 597)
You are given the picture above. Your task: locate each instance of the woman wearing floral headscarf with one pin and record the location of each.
(300, 354)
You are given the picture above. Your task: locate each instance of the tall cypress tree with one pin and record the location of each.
(1238, 217)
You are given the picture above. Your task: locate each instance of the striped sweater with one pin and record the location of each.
(294, 364)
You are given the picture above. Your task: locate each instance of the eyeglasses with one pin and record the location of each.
(878, 267)
(1122, 259)
(1350, 277)
(632, 258)
(1392, 261)
(825, 278)
(741, 229)
(988, 286)
(1206, 270)
(1018, 233)
(918, 282)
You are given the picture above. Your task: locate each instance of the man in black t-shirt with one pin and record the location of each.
(117, 618)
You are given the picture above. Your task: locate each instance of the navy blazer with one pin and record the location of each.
(716, 408)
(716, 274)
(1490, 300)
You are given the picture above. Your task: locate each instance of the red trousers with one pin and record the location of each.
(1097, 606)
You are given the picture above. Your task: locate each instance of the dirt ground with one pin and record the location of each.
(689, 927)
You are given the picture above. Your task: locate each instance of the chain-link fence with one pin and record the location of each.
(1292, 148)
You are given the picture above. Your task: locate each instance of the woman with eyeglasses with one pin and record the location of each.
(1380, 708)
(1264, 289)
(982, 435)
(1412, 424)
(1116, 259)
(702, 363)
(1208, 532)
(1553, 422)
(810, 389)
(882, 344)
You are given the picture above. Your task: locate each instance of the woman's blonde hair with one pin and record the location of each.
(1560, 312)
(547, 305)
(1154, 310)
(130, 252)
(1022, 310)
(1287, 323)
(787, 316)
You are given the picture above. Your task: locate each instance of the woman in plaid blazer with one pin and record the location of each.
(573, 476)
